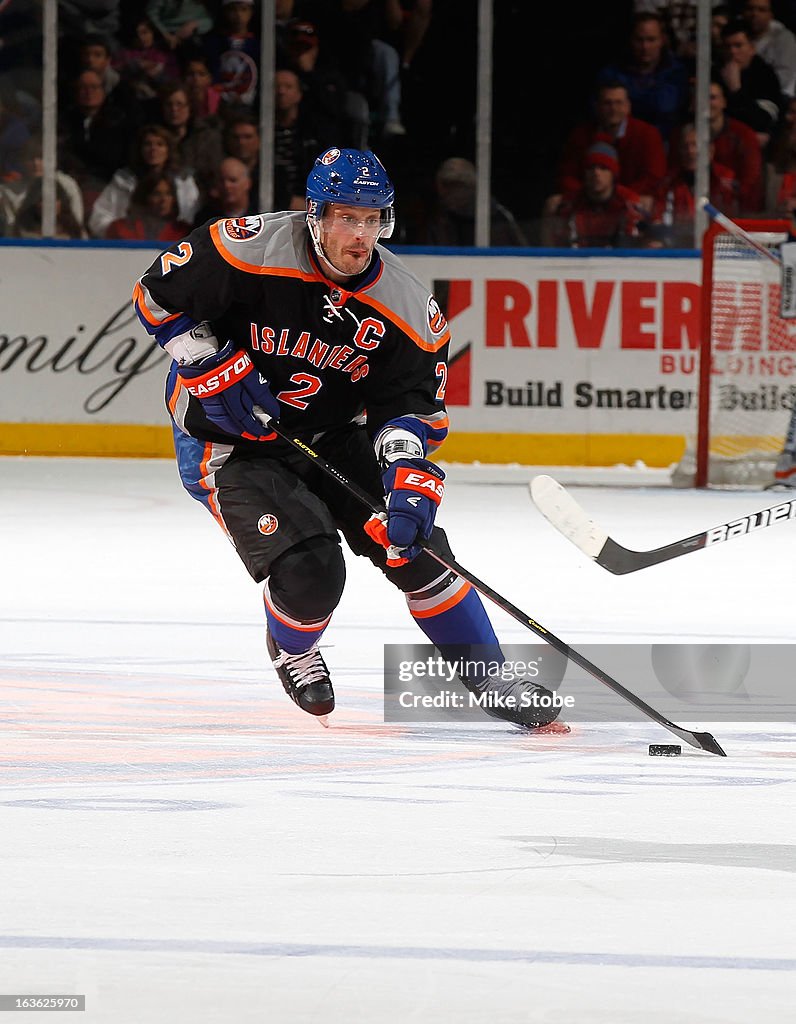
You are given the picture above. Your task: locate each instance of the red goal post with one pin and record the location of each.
(747, 360)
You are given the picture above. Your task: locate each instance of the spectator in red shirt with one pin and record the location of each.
(673, 213)
(153, 213)
(642, 160)
(601, 214)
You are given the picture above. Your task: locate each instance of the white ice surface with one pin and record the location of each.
(183, 845)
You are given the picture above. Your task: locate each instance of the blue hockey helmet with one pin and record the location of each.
(350, 177)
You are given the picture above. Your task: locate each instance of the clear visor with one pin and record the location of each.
(366, 222)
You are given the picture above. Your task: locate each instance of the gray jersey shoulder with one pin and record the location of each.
(275, 241)
(409, 299)
(398, 280)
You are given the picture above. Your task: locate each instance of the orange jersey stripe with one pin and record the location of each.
(173, 398)
(252, 268)
(139, 298)
(208, 454)
(441, 424)
(216, 512)
(212, 498)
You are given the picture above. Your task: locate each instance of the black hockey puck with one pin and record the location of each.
(665, 749)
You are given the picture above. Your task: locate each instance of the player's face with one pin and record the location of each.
(348, 236)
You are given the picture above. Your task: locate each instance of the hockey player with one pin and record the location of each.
(306, 317)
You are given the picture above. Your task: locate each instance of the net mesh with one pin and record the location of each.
(753, 358)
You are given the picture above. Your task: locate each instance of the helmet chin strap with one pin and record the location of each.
(337, 270)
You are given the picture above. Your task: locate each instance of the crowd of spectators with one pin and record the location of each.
(159, 103)
(626, 175)
(158, 118)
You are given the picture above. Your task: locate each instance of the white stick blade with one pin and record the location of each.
(566, 515)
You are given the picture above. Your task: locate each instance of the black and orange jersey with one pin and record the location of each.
(331, 353)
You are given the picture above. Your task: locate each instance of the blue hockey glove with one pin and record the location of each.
(229, 388)
(414, 489)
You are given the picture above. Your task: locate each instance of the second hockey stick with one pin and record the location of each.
(736, 230)
(700, 740)
(561, 510)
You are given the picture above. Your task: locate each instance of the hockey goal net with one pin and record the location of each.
(747, 361)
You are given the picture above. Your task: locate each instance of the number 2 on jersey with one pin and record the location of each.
(309, 386)
(441, 371)
(169, 260)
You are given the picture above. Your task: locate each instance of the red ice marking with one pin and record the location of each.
(552, 728)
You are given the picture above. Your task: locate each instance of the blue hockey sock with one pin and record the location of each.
(451, 614)
(292, 635)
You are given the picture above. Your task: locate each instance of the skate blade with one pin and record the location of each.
(324, 720)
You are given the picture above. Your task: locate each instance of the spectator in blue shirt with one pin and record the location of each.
(656, 81)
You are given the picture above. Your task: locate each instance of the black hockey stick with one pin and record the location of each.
(561, 510)
(700, 740)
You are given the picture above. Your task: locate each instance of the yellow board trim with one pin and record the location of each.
(563, 449)
(132, 440)
(103, 439)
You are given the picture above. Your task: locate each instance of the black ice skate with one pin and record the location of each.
(305, 678)
(518, 701)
